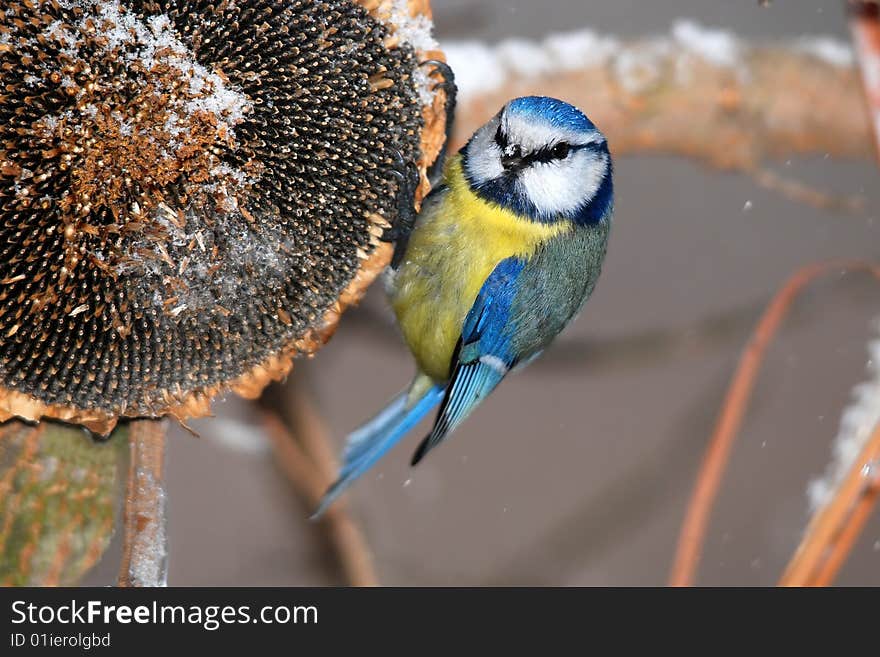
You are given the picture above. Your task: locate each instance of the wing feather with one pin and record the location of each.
(483, 356)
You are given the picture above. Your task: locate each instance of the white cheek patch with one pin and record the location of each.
(484, 155)
(564, 186)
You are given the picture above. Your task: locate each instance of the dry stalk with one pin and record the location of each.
(144, 548)
(836, 526)
(730, 417)
(310, 481)
(834, 529)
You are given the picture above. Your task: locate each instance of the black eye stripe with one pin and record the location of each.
(551, 153)
(547, 154)
(500, 138)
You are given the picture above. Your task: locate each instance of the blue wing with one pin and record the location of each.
(484, 353)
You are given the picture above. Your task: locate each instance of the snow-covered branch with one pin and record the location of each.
(696, 92)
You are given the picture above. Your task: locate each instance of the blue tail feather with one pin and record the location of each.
(359, 440)
(370, 442)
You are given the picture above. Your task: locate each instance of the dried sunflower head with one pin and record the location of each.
(190, 192)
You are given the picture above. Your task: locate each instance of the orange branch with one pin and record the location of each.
(847, 540)
(834, 529)
(776, 103)
(305, 456)
(730, 418)
(309, 427)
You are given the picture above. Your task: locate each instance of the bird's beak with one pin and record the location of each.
(512, 163)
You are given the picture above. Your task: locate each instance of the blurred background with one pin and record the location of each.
(577, 471)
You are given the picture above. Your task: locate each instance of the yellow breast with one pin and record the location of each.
(456, 244)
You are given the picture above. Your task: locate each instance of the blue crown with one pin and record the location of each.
(557, 113)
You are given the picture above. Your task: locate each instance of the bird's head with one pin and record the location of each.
(543, 159)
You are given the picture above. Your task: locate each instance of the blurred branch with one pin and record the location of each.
(730, 417)
(603, 352)
(302, 446)
(617, 513)
(619, 510)
(834, 529)
(798, 192)
(865, 28)
(638, 348)
(733, 107)
(144, 544)
(847, 538)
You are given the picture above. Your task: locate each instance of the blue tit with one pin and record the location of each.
(503, 254)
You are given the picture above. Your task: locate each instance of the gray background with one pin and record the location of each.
(577, 471)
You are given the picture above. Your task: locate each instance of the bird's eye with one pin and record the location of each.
(560, 151)
(500, 138)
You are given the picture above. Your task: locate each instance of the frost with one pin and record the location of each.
(226, 171)
(857, 422)
(525, 58)
(478, 68)
(149, 562)
(125, 127)
(638, 69)
(417, 31)
(57, 31)
(146, 44)
(181, 243)
(159, 24)
(481, 68)
(575, 50)
(239, 436)
(829, 50)
(199, 238)
(715, 46)
(424, 85)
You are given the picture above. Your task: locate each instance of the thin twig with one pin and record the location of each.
(299, 468)
(730, 417)
(847, 539)
(144, 549)
(308, 425)
(310, 482)
(799, 192)
(834, 529)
